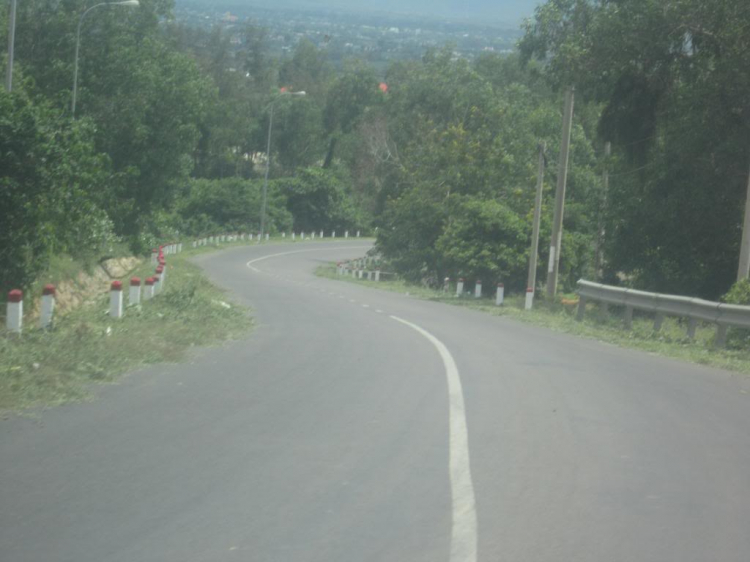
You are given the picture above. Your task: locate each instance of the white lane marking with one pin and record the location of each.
(256, 260)
(464, 531)
(352, 301)
(365, 306)
(379, 311)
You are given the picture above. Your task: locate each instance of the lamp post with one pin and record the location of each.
(268, 161)
(78, 44)
(11, 46)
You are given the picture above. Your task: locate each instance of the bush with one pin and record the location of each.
(739, 293)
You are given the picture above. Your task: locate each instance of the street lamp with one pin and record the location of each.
(11, 46)
(78, 44)
(268, 160)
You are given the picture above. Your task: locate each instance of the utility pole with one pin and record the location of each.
(744, 269)
(534, 253)
(562, 180)
(11, 46)
(600, 233)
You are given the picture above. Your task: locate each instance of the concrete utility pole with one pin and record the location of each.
(600, 233)
(11, 46)
(534, 253)
(744, 269)
(562, 180)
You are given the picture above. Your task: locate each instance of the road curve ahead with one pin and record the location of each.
(359, 425)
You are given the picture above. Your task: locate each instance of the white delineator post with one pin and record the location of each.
(14, 318)
(294, 236)
(302, 235)
(529, 299)
(321, 234)
(358, 234)
(115, 299)
(446, 284)
(283, 235)
(333, 234)
(460, 288)
(267, 236)
(346, 234)
(160, 279)
(377, 275)
(134, 297)
(500, 297)
(148, 293)
(48, 306)
(478, 289)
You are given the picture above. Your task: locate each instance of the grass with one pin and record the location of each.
(51, 367)
(671, 341)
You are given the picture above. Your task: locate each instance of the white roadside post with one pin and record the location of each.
(377, 275)
(312, 236)
(14, 317)
(302, 235)
(148, 294)
(446, 284)
(157, 284)
(283, 235)
(48, 306)
(267, 236)
(478, 289)
(460, 287)
(500, 297)
(294, 236)
(369, 275)
(358, 234)
(321, 235)
(134, 296)
(529, 299)
(115, 299)
(346, 234)
(333, 234)
(160, 277)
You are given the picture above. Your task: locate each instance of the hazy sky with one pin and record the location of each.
(510, 11)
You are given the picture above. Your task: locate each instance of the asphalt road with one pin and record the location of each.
(336, 433)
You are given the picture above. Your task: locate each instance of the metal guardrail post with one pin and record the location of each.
(581, 309)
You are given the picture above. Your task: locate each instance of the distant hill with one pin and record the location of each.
(489, 11)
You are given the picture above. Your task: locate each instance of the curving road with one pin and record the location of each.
(358, 425)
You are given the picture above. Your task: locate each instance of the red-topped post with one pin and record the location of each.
(529, 298)
(115, 299)
(48, 306)
(148, 293)
(135, 291)
(500, 296)
(14, 318)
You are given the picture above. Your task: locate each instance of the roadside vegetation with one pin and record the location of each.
(670, 341)
(85, 346)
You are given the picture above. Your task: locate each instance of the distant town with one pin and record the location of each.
(377, 38)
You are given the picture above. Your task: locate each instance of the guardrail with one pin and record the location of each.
(694, 310)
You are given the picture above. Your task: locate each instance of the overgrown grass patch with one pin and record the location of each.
(670, 341)
(86, 345)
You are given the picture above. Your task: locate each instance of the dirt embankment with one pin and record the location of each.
(87, 286)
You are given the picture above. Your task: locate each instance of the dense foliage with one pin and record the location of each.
(438, 155)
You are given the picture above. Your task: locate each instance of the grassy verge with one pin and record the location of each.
(671, 341)
(86, 345)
